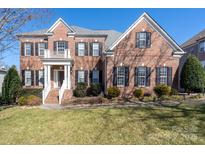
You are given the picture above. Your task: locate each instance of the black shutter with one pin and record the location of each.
(86, 48)
(114, 76)
(23, 77)
(86, 76)
(148, 75)
(137, 40)
(157, 75)
(32, 49)
(148, 39)
(54, 45)
(36, 49)
(37, 77)
(46, 45)
(126, 76)
(135, 76)
(76, 49)
(100, 49)
(22, 49)
(91, 49)
(76, 77)
(66, 44)
(100, 76)
(169, 76)
(91, 76)
(32, 78)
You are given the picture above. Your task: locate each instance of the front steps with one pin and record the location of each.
(53, 96)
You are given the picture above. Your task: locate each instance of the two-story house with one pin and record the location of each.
(60, 57)
(196, 46)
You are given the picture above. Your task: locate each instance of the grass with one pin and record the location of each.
(183, 124)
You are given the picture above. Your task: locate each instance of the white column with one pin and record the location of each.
(49, 74)
(45, 76)
(65, 75)
(69, 79)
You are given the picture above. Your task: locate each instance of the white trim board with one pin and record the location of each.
(155, 26)
(60, 20)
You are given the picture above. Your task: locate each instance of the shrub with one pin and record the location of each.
(29, 100)
(113, 92)
(139, 93)
(162, 89)
(174, 92)
(80, 90)
(192, 75)
(12, 87)
(94, 90)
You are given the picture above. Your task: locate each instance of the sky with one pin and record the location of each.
(180, 24)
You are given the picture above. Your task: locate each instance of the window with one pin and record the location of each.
(143, 40)
(40, 78)
(202, 46)
(95, 76)
(81, 49)
(81, 76)
(27, 49)
(163, 75)
(203, 63)
(141, 76)
(27, 78)
(96, 49)
(61, 47)
(120, 76)
(41, 48)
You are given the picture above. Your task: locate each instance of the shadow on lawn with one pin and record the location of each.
(4, 107)
(165, 118)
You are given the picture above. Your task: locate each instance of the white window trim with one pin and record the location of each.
(81, 43)
(143, 39)
(39, 83)
(163, 76)
(25, 53)
(25, 78)
(58, 48)
(40, 48)
(143, 77)
(123, 76)
(96, 49)
(79, 76)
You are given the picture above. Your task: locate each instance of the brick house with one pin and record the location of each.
(196, 46)
(60, 57)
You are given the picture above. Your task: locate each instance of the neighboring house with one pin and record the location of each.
(3, 72)
(63, 55)
(196, 46)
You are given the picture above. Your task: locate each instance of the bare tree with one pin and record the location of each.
(11, 22)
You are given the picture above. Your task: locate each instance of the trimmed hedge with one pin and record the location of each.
(113, 92)
(139, 93)
(80, 90)
(161, 90)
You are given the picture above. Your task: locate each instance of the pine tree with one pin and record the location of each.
(192, 75)
(12, 87)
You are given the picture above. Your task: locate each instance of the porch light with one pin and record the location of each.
(120, 64)
(41, 68)
(142, 64)
(96, 40)
(60, 39)
(81, 68)
(164, 64)
(61, 68)
(27, 68)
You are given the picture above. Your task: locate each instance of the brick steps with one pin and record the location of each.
(52, 97)
(67, 95)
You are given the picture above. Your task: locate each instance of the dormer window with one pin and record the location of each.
(143, 40)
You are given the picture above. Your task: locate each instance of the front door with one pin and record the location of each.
(58, 78)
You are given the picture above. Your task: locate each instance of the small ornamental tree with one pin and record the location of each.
(192, 75)
(12, 87)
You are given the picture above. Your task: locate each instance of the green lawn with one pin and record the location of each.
(156, 125)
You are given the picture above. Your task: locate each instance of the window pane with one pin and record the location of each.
(163, 75)
(142, 40)
(60, 47)
(95, 49)
(202, 46)
(95, 76)
(141, 76)
(121, 76)
(81, 49)
(28, 78)
(81, 76)
(41, 48)
(27, 49)
(41, 78)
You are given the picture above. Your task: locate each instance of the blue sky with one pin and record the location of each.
(181, 24)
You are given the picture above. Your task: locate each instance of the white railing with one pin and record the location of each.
(61, 91)
(46, 91)
(55, 54)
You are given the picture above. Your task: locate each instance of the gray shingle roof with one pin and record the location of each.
(194, 39)
(111, 35)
